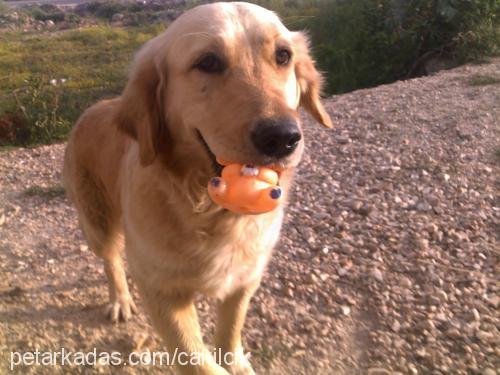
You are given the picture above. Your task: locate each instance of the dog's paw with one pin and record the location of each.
(241, 369)
(121, 309)
(240, 366)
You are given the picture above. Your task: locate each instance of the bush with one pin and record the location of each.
(364, 43)
(101, 9)
(39, 112)
(46, 12)
(3, 7)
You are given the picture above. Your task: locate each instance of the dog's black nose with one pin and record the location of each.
(276, 137)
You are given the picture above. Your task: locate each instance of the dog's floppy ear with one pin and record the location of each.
(141, 112)
(309, 80)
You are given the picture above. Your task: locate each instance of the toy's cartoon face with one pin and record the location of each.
(246, 189)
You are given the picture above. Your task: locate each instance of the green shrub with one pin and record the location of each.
(364, 43)
(46, 12)
(106, 9)
(3, 7)
(39, 104)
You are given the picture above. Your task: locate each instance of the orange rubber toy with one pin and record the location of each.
(246, 189)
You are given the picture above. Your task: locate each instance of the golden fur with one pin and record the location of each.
(136, 169)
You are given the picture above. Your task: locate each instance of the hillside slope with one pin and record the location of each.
(388, 260)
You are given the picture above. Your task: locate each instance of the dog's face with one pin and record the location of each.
(226, 78)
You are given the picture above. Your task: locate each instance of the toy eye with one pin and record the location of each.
(210, 63)
(283, 56)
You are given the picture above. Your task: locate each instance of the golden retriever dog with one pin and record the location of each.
(224, 80)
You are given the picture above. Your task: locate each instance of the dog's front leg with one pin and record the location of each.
(174, 317)
(230, 320)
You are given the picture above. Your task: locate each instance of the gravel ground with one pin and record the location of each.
(388, 261)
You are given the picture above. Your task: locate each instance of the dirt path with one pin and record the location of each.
(388, 261)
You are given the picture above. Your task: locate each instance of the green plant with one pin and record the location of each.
(483, 80)
(3, 7)
(39, 105)
(46, 12)
(49, 192)
(364, 43)
(106, 9)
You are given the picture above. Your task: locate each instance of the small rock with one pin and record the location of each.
(396, 326)
(432, 228)
(494, 301)
(299, 353)
(378, 371)
(13, 292)
(323, 276)
(453, 333)
(138, 341)
(423, 206)
(441, 294)
(2, 219)
(365, 210)
(346, 310)
(83, 248)
(422, 244)
(486, 337)
(377, 275)
(476, 315)
(422, 353)
(312, 278)
(356, 206)
(342, 271)
(289, 292)
(343, 140)
(413, 369)
(489, 371)
(405, 282)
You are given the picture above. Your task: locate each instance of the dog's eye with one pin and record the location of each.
(210, 63)
(283, 56)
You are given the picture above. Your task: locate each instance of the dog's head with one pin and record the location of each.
(227, 79)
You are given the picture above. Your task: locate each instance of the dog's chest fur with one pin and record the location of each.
(173, 248)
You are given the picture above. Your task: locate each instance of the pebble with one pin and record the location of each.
(494, 301)
(342, 271)
(486, 337)
(138, 341)
(396, 326)
(346, 310)
(475, 314)
(405, 282)
(441, 294)
(377, 275)
(312, 278)
(422, 244)
(378, 371)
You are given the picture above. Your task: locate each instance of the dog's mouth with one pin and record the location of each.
(275, 164)
(215, 165)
